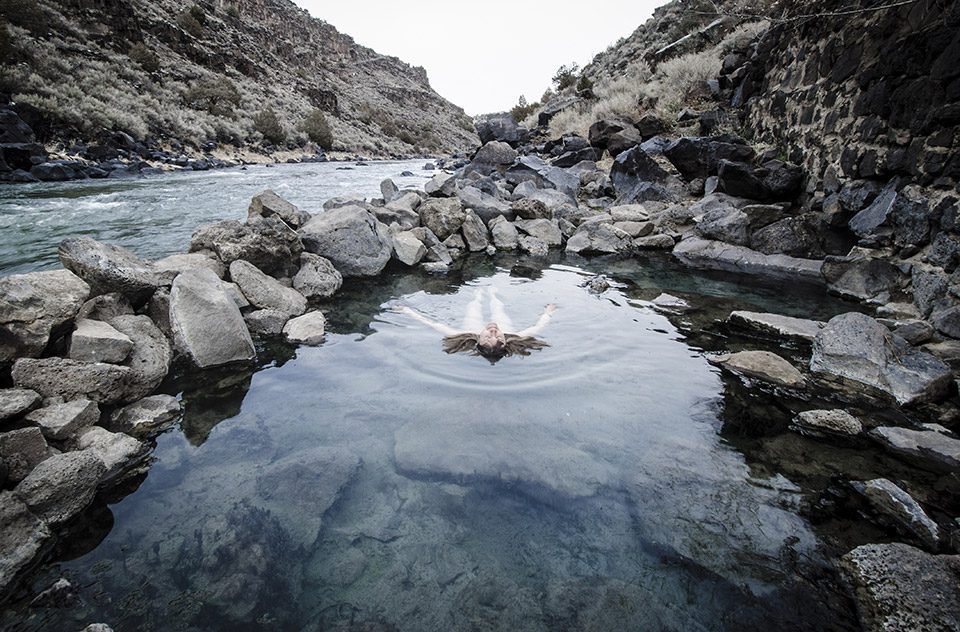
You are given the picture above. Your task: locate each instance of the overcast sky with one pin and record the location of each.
(484, 55)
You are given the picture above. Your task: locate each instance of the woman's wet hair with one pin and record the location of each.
(513, 345)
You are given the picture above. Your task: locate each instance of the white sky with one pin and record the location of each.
(483, 56)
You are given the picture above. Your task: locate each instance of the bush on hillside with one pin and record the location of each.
(268, 124)
(189, 23)
(523, 109)
(685, 75)
(566, 76)
(146, 58)
(6, 46)
(217, 96)
(317, 129)
(26, 14)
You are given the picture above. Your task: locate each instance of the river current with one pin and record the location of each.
(612, 480)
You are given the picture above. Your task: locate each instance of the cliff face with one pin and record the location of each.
(165, 69)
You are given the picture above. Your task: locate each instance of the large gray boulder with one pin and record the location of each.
(407, 249)
(269, 204)
(308, 329)
(16, 402)
(443, 216)
(97, 341)
(730, 225)
(776, 326)
(485, 205)
(150, 359)
(62, 421)
(545, 176)
(760, 365)
(861, 275)
(22, 450)
(24, 539)
(266, 292)
(716, 255)
(857, 348)
(118, 452)
(501, 127)
(206, 323)
(317, 278)
(267, 243)
(504, 234)
(72, 379)
(896, 505)
(105, 307)
(494, 154)
(62, 486)
(441, 185)
(544, 229)
(170, 267)
(351, 238)
(35, 305)
(899, 588)
(475, 232)
(827, 424)
(108, 268)
(599, 238)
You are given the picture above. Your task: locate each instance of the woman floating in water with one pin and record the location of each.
(490, 340)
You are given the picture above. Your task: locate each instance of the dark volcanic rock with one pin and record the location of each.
(501, 127)
(637, 177)
(108, 268)
(697, 157)
(267, 243)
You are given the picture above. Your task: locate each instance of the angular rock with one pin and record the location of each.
(436, 251)
(501, 127)
(443, 216)
(317, 278)
(267, 243)
(715, 255)
(266, 292)
(697, 157)
(24, 539)
(533, 246)
(899, 588)
(475, 232)
(407, 249)
(33, 306)
(635, 229)
(105, 307)
(654, 242)
(629, 213)
(856, 347)
(96, 341)
(504, 234)
(71, 379)
(760, 365)
(544, 176)
(206, 322)
(118, 451)
(544, 229)
(22, 450)
(142, 418)
(266, 322)
(150, 359)
(599, 238)
(897, 505)
(633, 173)
(827, 424)
(308, 329)
(351, 238)
(170, 267)
(62, 486)
(62, 421)
(930, 450)
(389, 190)
(776, 326)
(495, 153)
(441, 185)
(861, 275)
(108, 268)
(729, 225)
(528, 208)
(16, 402)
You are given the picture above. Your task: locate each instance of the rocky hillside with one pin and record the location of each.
(170, 73)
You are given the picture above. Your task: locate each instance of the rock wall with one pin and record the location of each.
(872, 95)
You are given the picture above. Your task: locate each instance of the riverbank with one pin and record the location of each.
(84, 365)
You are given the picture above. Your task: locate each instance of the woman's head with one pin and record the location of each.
(496, 345)
(491, 341)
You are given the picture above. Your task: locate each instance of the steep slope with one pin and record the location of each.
(200, 73)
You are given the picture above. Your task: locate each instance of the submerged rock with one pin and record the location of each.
(715, 255)
(775, 325)
(351, 238)
(760, 365)
(827, 424)
(109, 268)
(71, 379)
(899, 588)
(24, 539)
(900, 507)
(144, 417)
(928, 449)
(206, 322)
(62, 486)
(308, 329)
(266, 292)
(857, 348)
(33, 306)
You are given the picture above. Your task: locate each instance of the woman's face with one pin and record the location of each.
(491, 340)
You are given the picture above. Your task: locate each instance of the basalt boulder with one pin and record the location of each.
(351, 238)
(62, 486)
(71, 379)
(34, 307)
(501, 127)
(266, 292)
(151, 356)
(267, 243)
(108, 268)
(699, 157)
(269, 204)
(317, 277)
(637, 177)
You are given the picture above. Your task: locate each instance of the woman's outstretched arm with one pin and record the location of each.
(541, 322)
(444, 329)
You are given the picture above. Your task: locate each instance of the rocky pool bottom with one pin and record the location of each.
(614, 480)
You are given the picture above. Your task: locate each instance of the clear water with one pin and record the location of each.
(155, 216)
(613, 480)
